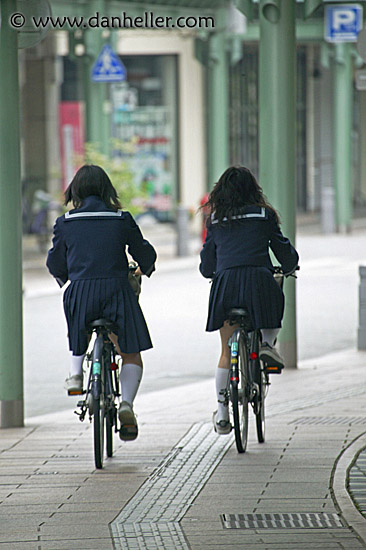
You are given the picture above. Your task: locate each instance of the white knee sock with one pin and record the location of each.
(130, 378)
(76, 366)
(269, 335)
(222, 376)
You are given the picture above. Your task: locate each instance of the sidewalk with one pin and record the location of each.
(180, 486)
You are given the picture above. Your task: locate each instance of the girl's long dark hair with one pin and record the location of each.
(236, 188)
(92, 180)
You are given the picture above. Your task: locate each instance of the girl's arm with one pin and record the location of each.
(282, 248)
(140, 249)
(208, 255)
(56, 259)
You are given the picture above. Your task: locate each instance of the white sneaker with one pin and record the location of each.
(222, 427)
(129, 428)
(270, 356)
(74, 384)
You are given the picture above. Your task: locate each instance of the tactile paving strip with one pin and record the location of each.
(282, 521)
(150, 520)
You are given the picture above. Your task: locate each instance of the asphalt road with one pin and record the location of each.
(174, 302)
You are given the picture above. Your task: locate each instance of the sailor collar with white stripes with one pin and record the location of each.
(261, 214)
(82, 215)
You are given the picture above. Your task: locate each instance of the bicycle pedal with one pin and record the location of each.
(273, 369)
(75, 392)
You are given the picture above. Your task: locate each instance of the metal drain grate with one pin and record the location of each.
(282, 521)
(329, 420)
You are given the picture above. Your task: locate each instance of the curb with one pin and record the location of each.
(341, 497)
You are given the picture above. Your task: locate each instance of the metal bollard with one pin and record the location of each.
(182, 231)
(361, 335)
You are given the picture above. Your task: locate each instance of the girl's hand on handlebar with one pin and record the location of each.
(138, 271)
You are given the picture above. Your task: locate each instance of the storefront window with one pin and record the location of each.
(144, 125)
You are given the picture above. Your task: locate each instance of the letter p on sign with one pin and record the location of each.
(343, 19)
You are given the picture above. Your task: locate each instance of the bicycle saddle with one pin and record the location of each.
(238, 312)
(107, 323)
(240, 315)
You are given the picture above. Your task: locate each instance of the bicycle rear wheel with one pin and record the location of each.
(109, 423)
(98, 424)
(259, 378)
(98, 388)
(239, 394)
(260, 414)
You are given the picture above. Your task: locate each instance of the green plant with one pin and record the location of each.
(131, 197)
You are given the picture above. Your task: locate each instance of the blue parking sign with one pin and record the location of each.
(342, 22)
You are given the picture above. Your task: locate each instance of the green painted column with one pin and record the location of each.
(342, 135)
(218, 101)
(11, 339)
(97, 105)
(277, 136)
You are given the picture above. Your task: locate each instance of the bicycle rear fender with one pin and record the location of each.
(97, 367)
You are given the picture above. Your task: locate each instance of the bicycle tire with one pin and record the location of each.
(239, 398)
(98, 388)
(98, 425)
(260, 418)
(258, 377)
(109, 422)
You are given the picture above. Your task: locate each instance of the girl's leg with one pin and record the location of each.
(269, 335)
(131, 371)
(222, 371)
(76, 367)
(130, 376)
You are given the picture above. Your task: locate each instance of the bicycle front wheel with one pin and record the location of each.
(239, 394)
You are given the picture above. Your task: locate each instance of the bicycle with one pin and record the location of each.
(102, 391)
(102, 394)
(249, 376)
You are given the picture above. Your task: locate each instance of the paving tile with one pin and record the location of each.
(19, 545)
(74, 531)
(77, 544)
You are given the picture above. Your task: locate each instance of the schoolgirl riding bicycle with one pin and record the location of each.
(242, 228)
(89, 249)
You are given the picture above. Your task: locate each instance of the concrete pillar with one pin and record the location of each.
(325, 152)
(277, 120)
(11, 339)
(218, 101)
(97, 100)
(362, 144)
(53, 77)
(342, 116)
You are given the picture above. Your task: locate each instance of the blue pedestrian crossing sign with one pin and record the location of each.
(108, 67)
(342, 22)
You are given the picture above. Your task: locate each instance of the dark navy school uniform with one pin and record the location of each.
(89, 249)
(236, 255)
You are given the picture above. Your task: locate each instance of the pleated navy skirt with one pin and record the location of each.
(250, 287)
(86, 300)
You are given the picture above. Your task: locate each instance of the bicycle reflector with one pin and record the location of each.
(254, 355)
(273, 369)
(234, 379)
(114, 366)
